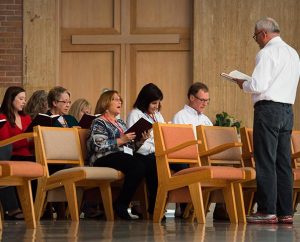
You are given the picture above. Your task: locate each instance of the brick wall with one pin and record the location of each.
(11, 42)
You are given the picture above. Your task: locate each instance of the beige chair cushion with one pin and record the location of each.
(94, 173)
(60, 145)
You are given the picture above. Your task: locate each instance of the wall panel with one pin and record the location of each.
(87, 84)
(168, 70)
(223, 42)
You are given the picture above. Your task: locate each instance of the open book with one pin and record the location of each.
(2, 122)
(86, 120)
(43, 120)
(235, 74)
(139, 127)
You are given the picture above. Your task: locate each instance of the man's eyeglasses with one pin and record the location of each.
(65, 102)
(255, 35)
(202, 100)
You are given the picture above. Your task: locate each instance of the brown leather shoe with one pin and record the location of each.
(259, 218)
(285, 219)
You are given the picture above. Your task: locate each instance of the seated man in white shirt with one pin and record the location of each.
(193, 113)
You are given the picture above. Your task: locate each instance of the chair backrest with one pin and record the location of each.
(168, 136)
(83, 134)
(215, 136)
(55, 145)
(247, 149)
(295, 139)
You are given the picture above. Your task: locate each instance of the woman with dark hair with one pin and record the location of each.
(109, 146)
(147, 106)
(17, 121)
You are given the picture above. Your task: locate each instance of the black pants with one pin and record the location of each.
(134, 168)
(151, 179)
(273, 123)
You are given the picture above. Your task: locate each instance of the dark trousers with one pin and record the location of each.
(134, 169)
(151, 179)
(273, 123)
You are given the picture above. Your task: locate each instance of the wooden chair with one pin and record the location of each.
(62, 146)
(141, 193)
(247, 155)
(20, 174)
(247, 148)
(295, 146)
(176, 143)
(221, 146)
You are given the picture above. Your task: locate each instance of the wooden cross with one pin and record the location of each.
(125, 37)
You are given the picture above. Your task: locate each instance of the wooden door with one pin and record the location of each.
(124, 45)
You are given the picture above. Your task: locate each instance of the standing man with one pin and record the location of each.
(273, 87)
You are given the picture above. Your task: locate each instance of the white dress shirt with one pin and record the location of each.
(135, 114)
(276, 73)
(188, 115)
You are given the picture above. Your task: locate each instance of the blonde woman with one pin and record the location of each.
(79, 108)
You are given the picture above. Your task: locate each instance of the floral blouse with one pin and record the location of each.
(102, 139)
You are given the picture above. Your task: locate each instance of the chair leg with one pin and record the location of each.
(238, 190)
(160, 203)
(229, 198)
(206, 200)
(71, 195)
(105, 191)
(40, 198)
(197, 199)
(1, 217)
(295, 196)
(248, 201)
(25, 197)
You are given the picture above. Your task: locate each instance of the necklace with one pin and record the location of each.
(114, 122)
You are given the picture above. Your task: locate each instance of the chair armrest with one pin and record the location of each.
(178, 147)
(220, 148)
(17, 138)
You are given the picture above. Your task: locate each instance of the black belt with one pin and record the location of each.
(268, 102)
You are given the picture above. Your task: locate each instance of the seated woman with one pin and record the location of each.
(17, 121)
(59, 103)
(80, 107)
(109, 146)
(37, 103)
(147, 106)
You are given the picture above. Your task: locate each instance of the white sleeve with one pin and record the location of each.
(133, 117)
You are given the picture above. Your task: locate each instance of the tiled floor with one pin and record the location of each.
(138, 230)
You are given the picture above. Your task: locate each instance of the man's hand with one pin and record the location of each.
(239, 82)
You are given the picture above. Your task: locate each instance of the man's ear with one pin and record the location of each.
(54, 103)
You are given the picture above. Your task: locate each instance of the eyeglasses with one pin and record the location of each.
(117, 100)
(255, 35)
(65, 102)
(202, 100)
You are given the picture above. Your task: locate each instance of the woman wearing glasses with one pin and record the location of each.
(59, 103)
(109, 146)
